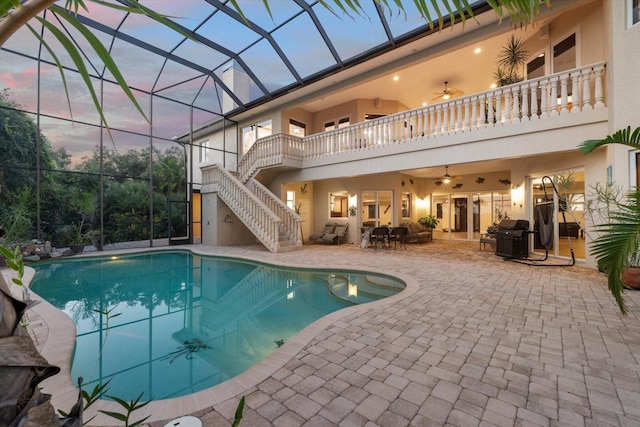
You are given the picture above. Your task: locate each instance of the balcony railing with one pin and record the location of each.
(253, 213)
(269, 151)
(566, 93)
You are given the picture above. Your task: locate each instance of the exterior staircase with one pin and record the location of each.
(273, 223)
(560, 100)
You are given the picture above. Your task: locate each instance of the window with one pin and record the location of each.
(535, 67)
(332, 124)
(564, 54)
(406, 205)
(251, 133)
(376, 208)
(297, 128)
(205, 148)
(339, 205)
(634, 12)
(369, 116)
(291, 200)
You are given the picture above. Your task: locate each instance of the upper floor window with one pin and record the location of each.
(634, 6)
(205, 148)
(535, 67)
(564, 54)
(251, 133)
(297, 128)
(340, 124)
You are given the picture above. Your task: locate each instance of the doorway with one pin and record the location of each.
(466, 216)
(454, 216)
(567, 216)
(377, 208)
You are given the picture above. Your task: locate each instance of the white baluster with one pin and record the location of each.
(564, 96)
(492, 114)
(516, 104)
(467, 112)
(433, 119)
(598, 91)
(544, 98)
(506, 117)
(525, 102)
(445, 119)
(587, 102)
(575, 92)
(553, 102)
(473, 119)
(498, 115)
(459, 114)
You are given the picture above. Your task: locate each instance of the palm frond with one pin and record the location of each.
(623, 136)
(75, 56)
(140, 9)
(617, 245)
(7, 5)
(58, 64)
(104, 55)
(512, 55)
(521, 12)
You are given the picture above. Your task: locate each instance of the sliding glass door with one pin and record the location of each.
(377, 208)
(466, 216)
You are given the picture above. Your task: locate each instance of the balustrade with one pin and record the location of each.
(569, 92)
(536, 99)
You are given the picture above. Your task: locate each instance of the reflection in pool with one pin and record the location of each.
(172, 323)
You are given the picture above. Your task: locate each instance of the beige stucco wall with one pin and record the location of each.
(586, 22)
(299, 115)
(303, 198)
(215, 231)
(623, 63)
(315, 211)
(219, 141)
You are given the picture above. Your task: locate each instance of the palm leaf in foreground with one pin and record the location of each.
(618, 238)
(623, 136)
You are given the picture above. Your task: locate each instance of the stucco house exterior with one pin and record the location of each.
(361, 148)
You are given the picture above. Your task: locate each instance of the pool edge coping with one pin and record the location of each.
(60, 342)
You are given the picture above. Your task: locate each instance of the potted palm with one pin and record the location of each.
(617, 247)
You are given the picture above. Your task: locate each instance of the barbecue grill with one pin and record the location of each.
(512, 238)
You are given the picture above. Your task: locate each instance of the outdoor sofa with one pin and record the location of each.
(417, 233)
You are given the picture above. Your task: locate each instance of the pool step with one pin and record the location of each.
(361, 289)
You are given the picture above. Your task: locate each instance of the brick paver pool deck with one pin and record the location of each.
(474, 341)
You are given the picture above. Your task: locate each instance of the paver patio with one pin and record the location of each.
(474, 341)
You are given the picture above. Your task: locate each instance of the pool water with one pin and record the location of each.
(167, 324)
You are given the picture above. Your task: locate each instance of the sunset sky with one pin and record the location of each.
(298, 38)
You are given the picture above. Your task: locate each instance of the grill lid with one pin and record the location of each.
(513, 224)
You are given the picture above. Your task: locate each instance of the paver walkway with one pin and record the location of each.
(478, 341)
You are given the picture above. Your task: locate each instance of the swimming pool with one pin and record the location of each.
(170, 323)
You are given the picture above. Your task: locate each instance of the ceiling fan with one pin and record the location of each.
(446, 178)
(447, 93)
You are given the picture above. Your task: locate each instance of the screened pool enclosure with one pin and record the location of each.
(68, 177)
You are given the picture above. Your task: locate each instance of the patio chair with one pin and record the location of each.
(329, 228)
(380, 235)
(398, 235)
(340, 233)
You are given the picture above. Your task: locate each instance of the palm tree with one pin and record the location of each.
(617, 246)
(15, 14)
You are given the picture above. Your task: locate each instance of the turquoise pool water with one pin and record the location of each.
(167, 324)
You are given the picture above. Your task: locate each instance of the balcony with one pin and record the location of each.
(547, 104)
